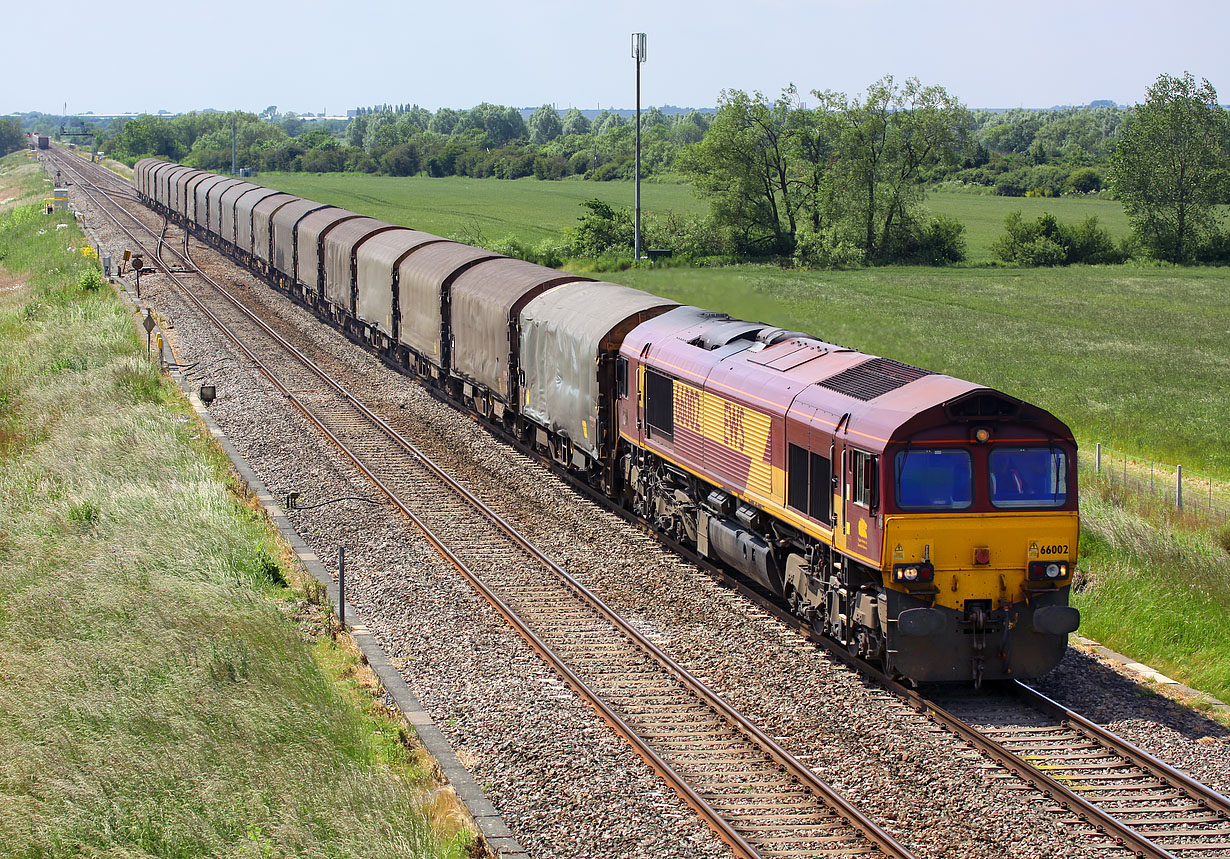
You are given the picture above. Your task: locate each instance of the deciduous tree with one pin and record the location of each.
(1170, 166)
(743, 165)
(12, 137)
(544, 125)
(889, 140)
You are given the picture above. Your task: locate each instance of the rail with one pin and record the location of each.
(736, 836)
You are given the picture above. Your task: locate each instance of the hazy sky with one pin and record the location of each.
(310, 56)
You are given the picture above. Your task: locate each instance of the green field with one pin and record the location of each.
(480, 211)
(983, 215)
(531, 209)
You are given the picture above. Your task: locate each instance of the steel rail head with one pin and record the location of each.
(868, 828)
(1138, 756)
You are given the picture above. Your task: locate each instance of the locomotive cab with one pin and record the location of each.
(979, 540)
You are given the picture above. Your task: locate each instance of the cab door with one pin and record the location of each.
(841, 485)
(860, 501)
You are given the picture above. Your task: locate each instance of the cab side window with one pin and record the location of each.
(863, 478)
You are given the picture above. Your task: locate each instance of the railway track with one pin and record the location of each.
(1109, 788)
(757, 797)
(1077, 761)
(1121, 795)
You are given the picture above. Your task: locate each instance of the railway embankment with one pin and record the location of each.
(167, 685)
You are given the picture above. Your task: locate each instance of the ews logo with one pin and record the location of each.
(733, 434)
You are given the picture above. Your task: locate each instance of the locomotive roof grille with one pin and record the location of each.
(873, 378)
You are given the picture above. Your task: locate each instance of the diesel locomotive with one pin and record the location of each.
(926, 523)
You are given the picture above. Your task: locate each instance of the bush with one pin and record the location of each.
(511, 246)
(608, 172)
(402, 160)
(1046, 242)
(550, 167)
(1012, 184)
(91, 280)
(1088, 243)
(942, 241)
(322, 161)
(1041, 181)
(689, 237)
(1215, 249)
(827, 249)
(546, 252)
(602, 230)
(581, 161)
(1084, 180)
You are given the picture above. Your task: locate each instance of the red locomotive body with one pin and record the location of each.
(856, 486)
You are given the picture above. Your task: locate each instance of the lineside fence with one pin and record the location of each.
(1189, 493)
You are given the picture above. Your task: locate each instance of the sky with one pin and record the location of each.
(310, 56)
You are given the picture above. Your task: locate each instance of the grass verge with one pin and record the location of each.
(157, 694)
(1154, 586)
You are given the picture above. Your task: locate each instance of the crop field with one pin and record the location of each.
(487, 210)
(477, 210)
(983, 215)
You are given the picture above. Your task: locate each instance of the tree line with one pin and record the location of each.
(823, 180)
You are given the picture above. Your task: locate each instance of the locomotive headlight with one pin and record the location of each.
(913, 573)
(1043, 570)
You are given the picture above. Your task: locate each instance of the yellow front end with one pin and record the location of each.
(956, 543)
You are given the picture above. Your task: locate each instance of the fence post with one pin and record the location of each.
(341, 586)
(1178, 487)
(1097, 458)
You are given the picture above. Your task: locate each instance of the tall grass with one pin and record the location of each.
(1154, 585)
(154, 699)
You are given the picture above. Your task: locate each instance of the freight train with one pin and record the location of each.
(927, 523)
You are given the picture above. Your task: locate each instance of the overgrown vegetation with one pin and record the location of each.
(156, 694)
